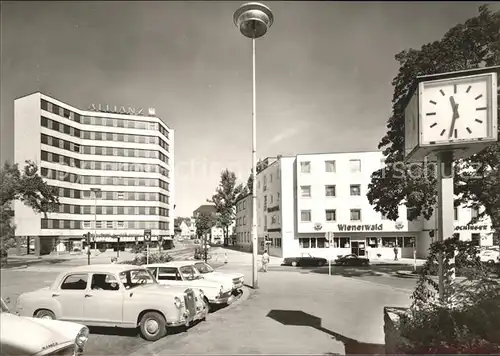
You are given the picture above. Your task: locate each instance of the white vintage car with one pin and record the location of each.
(29, 336)
(235, 279)
(183, 274)
(115, 295)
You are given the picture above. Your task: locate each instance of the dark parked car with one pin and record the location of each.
(352, 260)
(305, 260)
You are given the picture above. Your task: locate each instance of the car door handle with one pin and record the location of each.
(55, 294)
(88, 295)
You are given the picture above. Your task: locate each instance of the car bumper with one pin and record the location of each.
(237, 286)
(201, 313)
(226, 298)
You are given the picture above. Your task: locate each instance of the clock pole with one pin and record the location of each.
(445, 211)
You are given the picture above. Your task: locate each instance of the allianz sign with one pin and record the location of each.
(367, 227)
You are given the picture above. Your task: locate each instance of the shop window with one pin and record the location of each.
(304, 242)
(313, 243)
(321, 242)
(476, 239)
(408, 241)
(371, 242)
(389, 241)
(341, 242)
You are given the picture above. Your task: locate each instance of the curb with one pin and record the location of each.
(158, 347)
(407, 274)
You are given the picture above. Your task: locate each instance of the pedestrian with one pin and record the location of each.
(225, 258)
(265, 261)
(395, 253)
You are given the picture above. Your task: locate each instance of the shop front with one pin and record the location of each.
(374, 241)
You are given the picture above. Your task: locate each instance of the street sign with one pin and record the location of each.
(147, 235)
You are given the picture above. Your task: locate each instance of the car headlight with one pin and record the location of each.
(177, 302)
(82, 337)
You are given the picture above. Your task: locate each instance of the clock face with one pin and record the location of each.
(455, 110)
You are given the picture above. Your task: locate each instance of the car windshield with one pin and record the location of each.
(4, 307)
(203, 268)
(189, 273)
(136, 277)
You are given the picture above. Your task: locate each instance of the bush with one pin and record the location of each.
(141, 259)
(138, 249)
(466, 320)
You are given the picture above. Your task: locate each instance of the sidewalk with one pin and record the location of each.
(292, 313)
(239, 257)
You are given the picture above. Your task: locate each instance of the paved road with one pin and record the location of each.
(103, 341)
(111, 342)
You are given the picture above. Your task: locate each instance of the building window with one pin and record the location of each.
(455, 213)
(305, 215)
(304, 242)
(265, 202)
(98, 224)
(355, 190)
(474, 213)
(330, 215)
(355, 214)
(476, 239)
(355, 165)
(121, 195)
(244, 220)
(330, 166)
(305, 167)
(341, 242)
(305, 191)
(86, 224)
(109, 224)
(330, 191)
(120, 224)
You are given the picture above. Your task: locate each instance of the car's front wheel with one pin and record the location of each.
(294, 264)
(45, 314)
(321, 263)
(153, 326)
(209, 307)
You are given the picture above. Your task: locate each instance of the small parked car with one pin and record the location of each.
(352, 260)
(178, 273)
(115, 295)
(237, 280)
(41, 337)
(490, 255)
(305, 260)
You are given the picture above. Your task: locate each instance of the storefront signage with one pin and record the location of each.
(368, 227)
(116, 109)
(471, 227)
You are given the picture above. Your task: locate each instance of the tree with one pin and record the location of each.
(473, 44)
(224, 199)
(204, 223)
(27, 187)
(247, 189)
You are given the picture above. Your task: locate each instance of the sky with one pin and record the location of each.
(324, 73)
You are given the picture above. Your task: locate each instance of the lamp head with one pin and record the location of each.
(253, 19)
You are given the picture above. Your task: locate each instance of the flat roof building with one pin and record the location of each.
(113, 168)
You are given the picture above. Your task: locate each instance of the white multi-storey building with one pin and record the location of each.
(112, 167)
(302, 198)
(243, 222)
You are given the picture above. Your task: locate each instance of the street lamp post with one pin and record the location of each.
(253, 20)
(95, 191)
